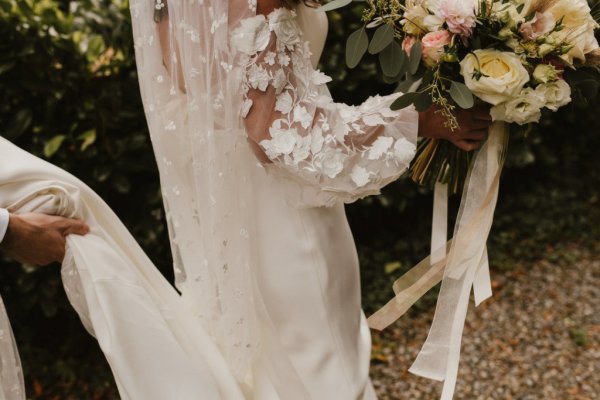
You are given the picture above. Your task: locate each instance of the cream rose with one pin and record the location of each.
(504, 76)
(508, 13)
(252, 35)
(555, 94)
(524, 109)
(433, 46)
(545, 73)
(579, 26)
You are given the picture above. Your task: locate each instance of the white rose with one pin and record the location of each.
(433, 23)
(579, 27)
(504, 76)
(524, 109)
(555, 94)
(545, 73)
(252, 35)
(282, 21)
(508, 13)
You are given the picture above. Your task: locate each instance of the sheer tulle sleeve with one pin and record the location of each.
(346, 152)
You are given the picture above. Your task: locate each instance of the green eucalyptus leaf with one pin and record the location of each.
(392, 59)
(356, 47)
(462, 95)
(333, 5)
(423, 102)
(404, 101)
(416, 52)
(384, 35)
(406, 84)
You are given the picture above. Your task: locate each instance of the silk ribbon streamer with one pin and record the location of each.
(464, 266)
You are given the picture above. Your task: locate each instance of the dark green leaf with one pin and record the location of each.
(356, 47)
(392, 59)
(384, 35)
(416, 53)
(404, 101)
(423, 102)
(406, 84)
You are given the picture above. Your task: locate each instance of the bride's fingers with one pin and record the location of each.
(467, 145)
(477, 134)
(482, 114)
(479, 124)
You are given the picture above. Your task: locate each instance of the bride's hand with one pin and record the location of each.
(39, 239)
(474, 125)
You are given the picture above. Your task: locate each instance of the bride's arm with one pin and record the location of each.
(294, 123)
(167, 43)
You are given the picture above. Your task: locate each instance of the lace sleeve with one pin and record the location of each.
(348, 152)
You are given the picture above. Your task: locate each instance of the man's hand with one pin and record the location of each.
(474, 125)
(38, 238)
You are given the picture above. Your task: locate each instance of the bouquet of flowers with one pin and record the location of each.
(518, 56)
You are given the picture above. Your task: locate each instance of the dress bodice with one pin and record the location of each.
(314, 26)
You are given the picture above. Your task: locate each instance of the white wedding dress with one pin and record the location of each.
(310, 278)
(270, 304)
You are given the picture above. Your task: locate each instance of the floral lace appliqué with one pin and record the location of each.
(338, 147)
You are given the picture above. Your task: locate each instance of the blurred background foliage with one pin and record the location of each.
(70, 95)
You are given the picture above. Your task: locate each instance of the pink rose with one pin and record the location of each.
(541, 24)
(433, 46)
(459, 15)
(408, 43)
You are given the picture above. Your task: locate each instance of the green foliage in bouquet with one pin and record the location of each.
(436, 59)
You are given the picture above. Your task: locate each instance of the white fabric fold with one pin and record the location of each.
(4, 219)
(156, 347)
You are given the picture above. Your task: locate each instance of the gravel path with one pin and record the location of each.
(537, 338)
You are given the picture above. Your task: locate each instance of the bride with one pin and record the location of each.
(256, 162)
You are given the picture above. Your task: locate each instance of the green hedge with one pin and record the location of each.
(70, 95)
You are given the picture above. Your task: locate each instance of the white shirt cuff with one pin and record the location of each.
(4, 218)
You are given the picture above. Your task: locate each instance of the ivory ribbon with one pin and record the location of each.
(464, 266)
